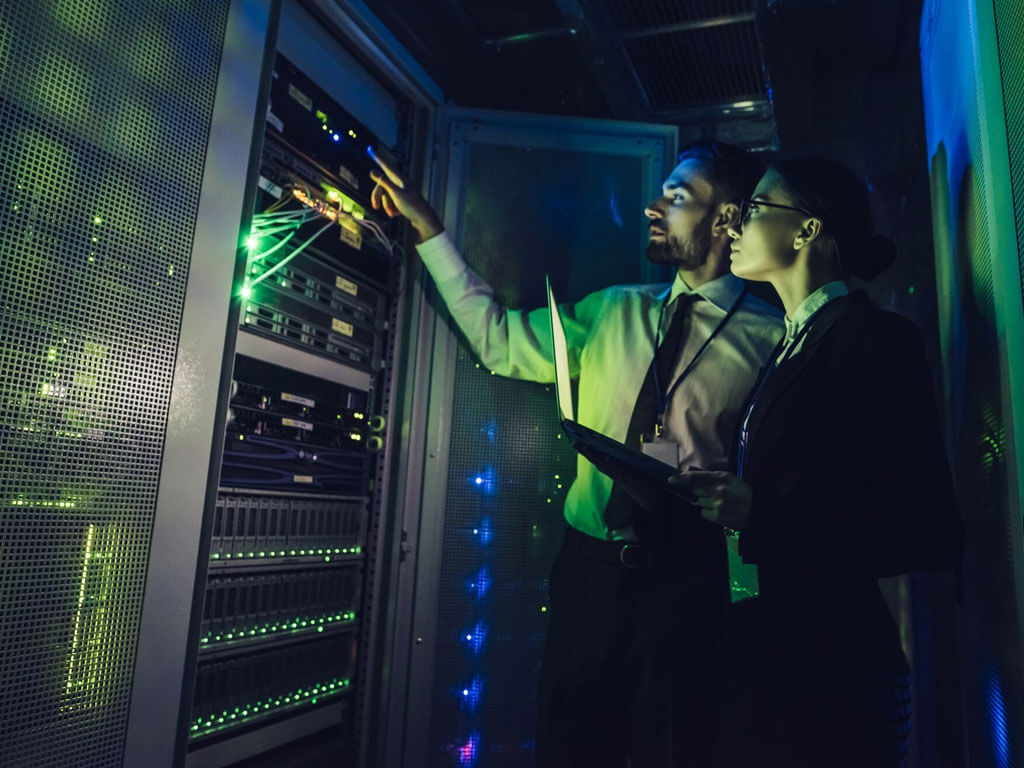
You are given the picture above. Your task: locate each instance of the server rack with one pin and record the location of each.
(282, 631)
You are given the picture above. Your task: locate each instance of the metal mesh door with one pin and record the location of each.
(105, 109)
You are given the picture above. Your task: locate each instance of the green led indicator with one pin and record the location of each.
(97, 220)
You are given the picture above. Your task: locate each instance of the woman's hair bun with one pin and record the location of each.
(872, 257)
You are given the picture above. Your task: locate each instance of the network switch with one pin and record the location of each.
(234, 694)
(258, 529)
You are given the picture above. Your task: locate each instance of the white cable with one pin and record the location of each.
(291, 255)
(264, 254)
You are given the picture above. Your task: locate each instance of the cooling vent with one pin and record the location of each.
(702, 54)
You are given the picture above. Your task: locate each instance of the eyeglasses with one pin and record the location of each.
(747, 208)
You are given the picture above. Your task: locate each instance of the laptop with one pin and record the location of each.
(626, 465)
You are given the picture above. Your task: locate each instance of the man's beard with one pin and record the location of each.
(681, 254)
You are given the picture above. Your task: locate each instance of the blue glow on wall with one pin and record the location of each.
(997, 719)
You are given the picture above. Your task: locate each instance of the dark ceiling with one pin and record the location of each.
(834, 77)
(627, 59)
(712, 67)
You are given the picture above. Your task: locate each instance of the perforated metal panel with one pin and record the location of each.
(977, 304)
(1010, 34)
(717, 38)
(105, 110)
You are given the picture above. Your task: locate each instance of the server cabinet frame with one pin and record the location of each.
(191, 460)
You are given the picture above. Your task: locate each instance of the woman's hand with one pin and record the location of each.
(722, 497)
(391, 195)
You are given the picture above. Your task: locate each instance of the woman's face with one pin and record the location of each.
(763, 241)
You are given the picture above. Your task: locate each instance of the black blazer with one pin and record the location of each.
(846, 458)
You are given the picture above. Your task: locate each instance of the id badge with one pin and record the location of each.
(664, 451)
(743, 583)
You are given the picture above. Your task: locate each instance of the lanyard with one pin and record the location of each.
(766, 373)
(665, 396)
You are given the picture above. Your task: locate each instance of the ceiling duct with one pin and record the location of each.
(696, 58)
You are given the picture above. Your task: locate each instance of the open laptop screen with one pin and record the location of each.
(563, 382)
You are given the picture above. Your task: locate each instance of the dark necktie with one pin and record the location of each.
(621, 508)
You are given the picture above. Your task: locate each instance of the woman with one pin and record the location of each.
(841, 478)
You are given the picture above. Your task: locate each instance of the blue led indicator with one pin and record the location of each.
(336, 137)
(475, 639)
(484, 480)
(479, 584)
(484, 532)
(470, 698)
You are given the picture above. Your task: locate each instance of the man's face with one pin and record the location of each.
(680, 220)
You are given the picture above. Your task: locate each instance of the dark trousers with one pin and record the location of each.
(817, 680)
(629, 670)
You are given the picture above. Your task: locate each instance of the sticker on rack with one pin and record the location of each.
(346, 285)
(350, 232)
(286, 422)
(290, 398)
(348, 176)
(270, 187)
(300, 97)
(302, 479)
(342, 327)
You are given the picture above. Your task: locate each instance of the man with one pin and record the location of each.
(637, 593)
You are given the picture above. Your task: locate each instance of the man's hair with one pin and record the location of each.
(732, 171)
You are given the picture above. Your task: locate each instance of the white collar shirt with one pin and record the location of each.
(611, 335)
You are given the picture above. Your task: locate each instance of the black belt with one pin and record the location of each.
(628, 554)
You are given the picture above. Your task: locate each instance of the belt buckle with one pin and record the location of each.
(634, 556)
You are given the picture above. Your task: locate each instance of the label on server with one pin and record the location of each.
(300, 97)
(270, 187)
(302, 478)
(342, 327)
(290, 398)
(350, 234)
(346, 285)
(348, 176)
(286, 422)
